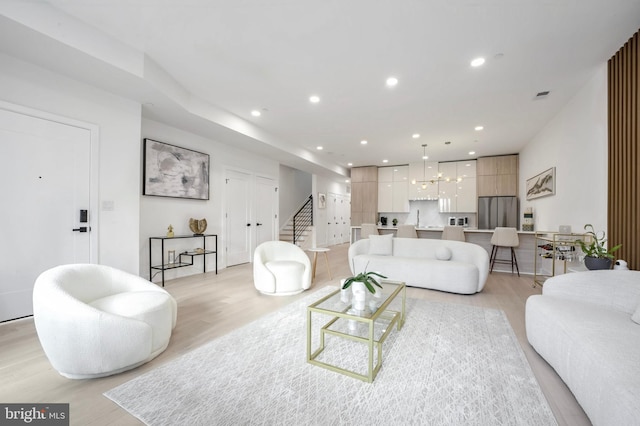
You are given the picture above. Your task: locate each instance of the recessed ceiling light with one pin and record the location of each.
(392, 81)
(477, 62)
(415, 135)
(347, 181)
(363, 142)
(385, 161)
(478, 128)
(349, 164)
(471, 153)
(319, 148)
(425, 157)
(314, 99)
(256, 113)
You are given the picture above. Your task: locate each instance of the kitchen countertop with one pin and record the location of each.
(441, 228)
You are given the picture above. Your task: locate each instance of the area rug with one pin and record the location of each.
(450, 364)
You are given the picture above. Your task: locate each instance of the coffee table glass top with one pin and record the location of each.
(341, 300)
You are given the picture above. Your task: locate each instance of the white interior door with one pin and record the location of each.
(266, 208)
(45, 182)
(332, 219)
(238, 217)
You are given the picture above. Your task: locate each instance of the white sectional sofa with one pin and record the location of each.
(451, 266)
(586, 325)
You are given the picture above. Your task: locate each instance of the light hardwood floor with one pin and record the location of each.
(212, 305)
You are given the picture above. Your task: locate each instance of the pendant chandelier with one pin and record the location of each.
(424, 182)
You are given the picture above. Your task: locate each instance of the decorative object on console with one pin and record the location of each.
(170, 233)
(527, 222)
(197, 226)
(383, 220)
(597, 256)
(171, 171)
(542, 184)
(620, 265)
(394, 221)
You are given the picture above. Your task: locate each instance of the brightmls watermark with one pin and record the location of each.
(34, 414)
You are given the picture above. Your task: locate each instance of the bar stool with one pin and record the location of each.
(407, 231)
(455, 233)
(505, 237)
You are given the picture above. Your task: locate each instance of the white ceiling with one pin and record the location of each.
(241, 55)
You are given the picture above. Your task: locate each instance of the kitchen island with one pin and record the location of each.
(524, 252)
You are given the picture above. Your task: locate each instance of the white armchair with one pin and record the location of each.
(281, 269)
(95, 321)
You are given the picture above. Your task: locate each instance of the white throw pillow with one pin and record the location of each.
(636, 315)
(381, 244)
(443, 253)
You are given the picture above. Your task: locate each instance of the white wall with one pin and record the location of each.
(575, 143)
(295, 188)
(118, 120)
(157, 213)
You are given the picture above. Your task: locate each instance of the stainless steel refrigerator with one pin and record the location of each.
(497, 211)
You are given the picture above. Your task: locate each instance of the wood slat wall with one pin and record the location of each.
(624, 153)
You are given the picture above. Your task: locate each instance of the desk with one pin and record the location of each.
(315, 252)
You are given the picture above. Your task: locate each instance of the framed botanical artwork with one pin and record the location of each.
(172, 171)
(322, 200)
(542, 184)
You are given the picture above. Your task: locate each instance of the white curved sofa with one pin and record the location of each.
(452, 266)
(95, 321)
(586, 325)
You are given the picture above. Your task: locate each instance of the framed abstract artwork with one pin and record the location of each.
(172, 171)
(542, 184)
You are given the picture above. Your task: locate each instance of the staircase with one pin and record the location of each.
(299, 228)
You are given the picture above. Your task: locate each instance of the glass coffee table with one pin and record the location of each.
(346, 338)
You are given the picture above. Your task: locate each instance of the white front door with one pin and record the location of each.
(45, 182)
(266, 207)
(238, 217)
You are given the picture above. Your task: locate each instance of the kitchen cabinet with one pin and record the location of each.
(457, 188)
(393, 189)
(364, 195)
(420, 172)
(497, 176)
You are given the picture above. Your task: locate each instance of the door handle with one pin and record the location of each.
(248, 224)
(258, 224)
(81, 229)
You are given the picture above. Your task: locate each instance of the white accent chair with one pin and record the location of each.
(406, 231)
(453, 233)
(281, 269)
(95, 320)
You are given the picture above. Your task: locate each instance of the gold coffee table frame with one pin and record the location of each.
(383, 312)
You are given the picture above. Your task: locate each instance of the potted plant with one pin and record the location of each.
(395, 222)
(360, 282)
(597, 256)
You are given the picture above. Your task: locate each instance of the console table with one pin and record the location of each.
(183, 259)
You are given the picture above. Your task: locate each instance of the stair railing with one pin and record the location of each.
(303, 219)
